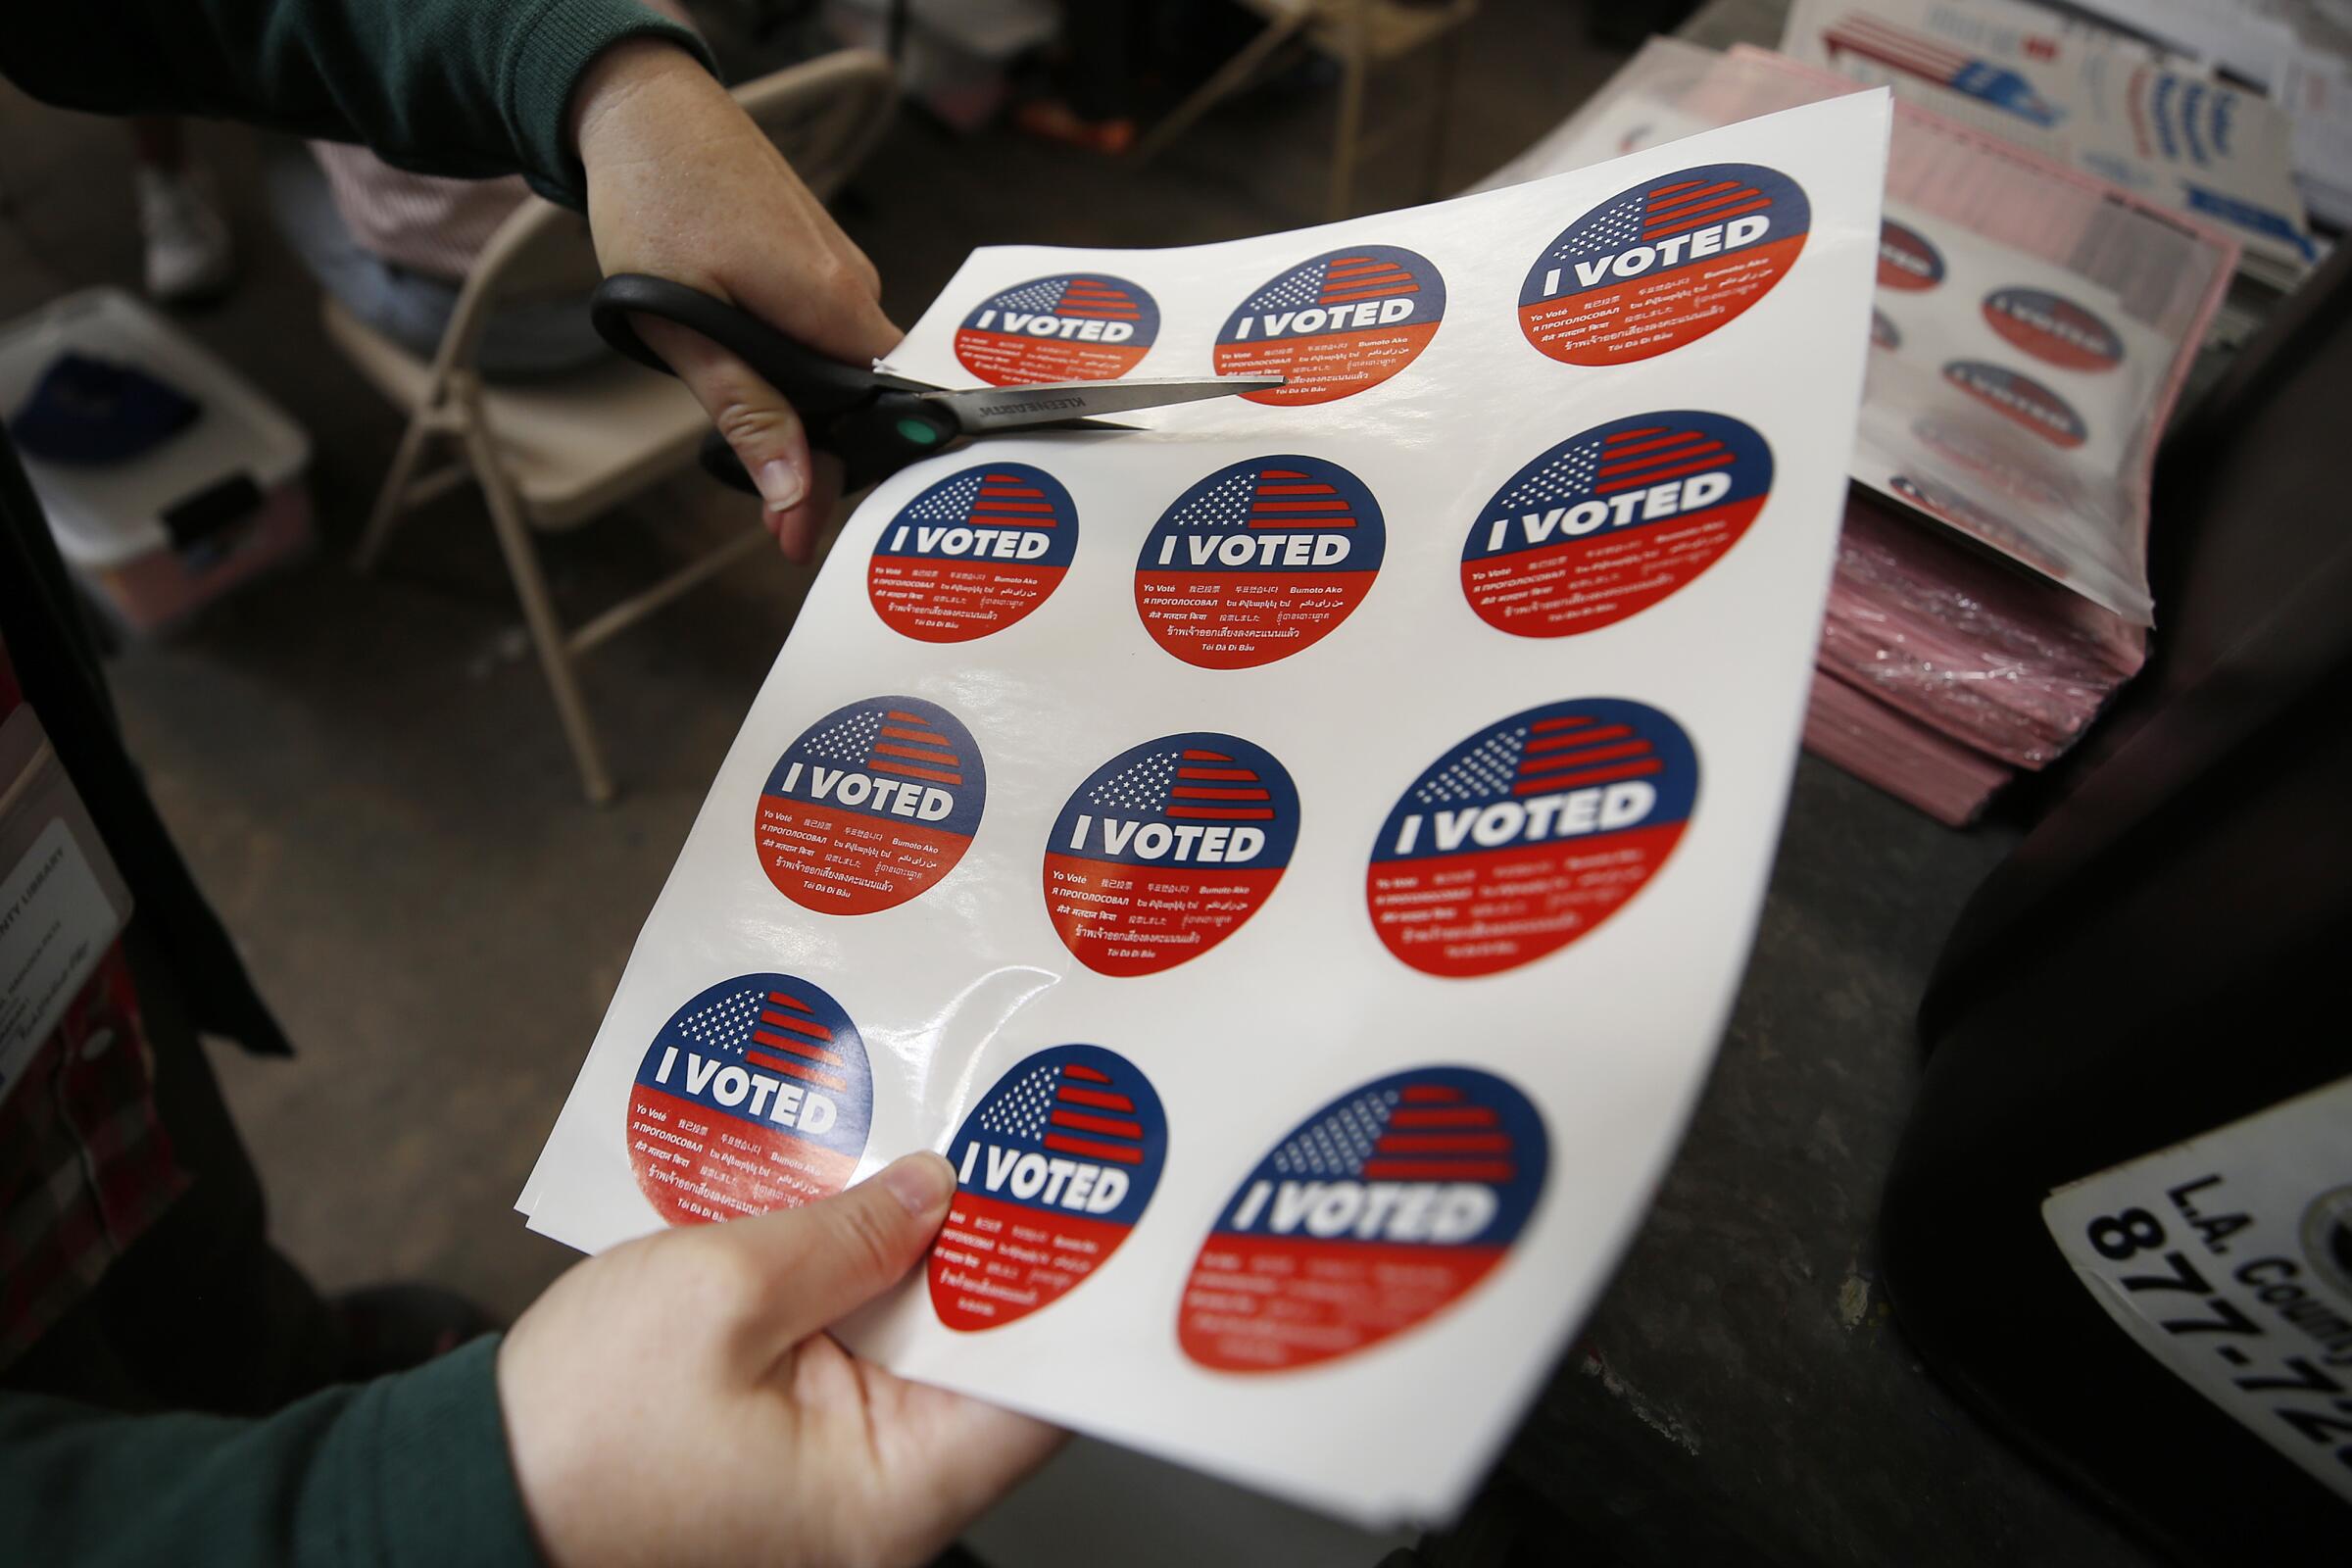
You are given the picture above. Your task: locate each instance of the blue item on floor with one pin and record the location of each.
(90, 413)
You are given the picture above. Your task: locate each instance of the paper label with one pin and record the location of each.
(754, 1095)
(54, 926)
(1259, 561)
(1166, 849)
(1065, 329)
(973, 553)
(1054, 1169)
(2228, 1258)
(1333, 326)
(871, 805)
(1383, 1209)
(1663, 263)
(1610, 522)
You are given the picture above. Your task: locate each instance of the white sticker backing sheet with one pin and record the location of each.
(2228, 1258)
(1295, 858)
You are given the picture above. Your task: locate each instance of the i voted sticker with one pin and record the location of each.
(1882, 332)
(1610, 522)
(1333, 326)
(754, 1095)
(1947, 504)
(1166, 849)
(2019, 399)
(1529, 834)
(1052, 1170)
(2056, 331)
(1259, 561)
(1663, 263)
(1075, 327)
(973, 553)
(1908, 260)
(871, 805)
(1382, 1209)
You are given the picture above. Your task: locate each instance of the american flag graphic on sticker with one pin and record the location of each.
(870, 806)
(1612, 520)
(2020, 399)
(1528, 834)
(1166, 849)
(973, 553)
(1079, 326)
(1663, 263)
(1333, 326)
(1374, 1214)
(754, 1095)
(1052, 1169)
(1259, 561)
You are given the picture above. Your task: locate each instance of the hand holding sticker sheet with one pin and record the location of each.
(1295, 857)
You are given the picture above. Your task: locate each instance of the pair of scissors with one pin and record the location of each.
(875, 424)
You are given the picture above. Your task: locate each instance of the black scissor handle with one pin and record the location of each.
(865, 419)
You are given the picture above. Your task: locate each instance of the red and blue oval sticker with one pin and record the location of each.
(1908, 260)
(754, 1095)
(1166, 849)
(973, 553)
(1333, 326)
(871, 805)
(1380, 1209)
(1612, 520)
(1069, 327)
(1663, 263)
(1530, 833)
(2054, 330)
(2019, 399)
(1052, 1170)
(1259, 561)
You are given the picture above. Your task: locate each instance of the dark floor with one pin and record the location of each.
(368, 779)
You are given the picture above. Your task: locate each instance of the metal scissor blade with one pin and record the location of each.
(1018, 408)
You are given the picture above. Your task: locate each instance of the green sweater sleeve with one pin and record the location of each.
(467, 87)
(405, 1470)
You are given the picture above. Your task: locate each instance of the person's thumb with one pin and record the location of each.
(826, 1260)
(757, 424)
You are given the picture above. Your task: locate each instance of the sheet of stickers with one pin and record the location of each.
(1294, 859)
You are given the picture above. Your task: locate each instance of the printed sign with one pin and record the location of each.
(1610, 522)
(973, 553)
(2057, 331)
(1908, 260)
(873, 805)
(1663, 263)
(1379, 1211)
(1052, 1169)
(1259, 561)
(1092, 327)
(1166, 849)
(2019, 398)
(1529, 834)
(2228, 1258)
(1332, 326)
(754, 1095)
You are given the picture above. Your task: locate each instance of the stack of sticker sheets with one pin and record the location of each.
(1295, 858)
(2031, 328)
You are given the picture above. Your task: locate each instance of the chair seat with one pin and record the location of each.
(1391, 28)
(573, 445)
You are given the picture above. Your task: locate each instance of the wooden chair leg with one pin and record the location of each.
(539, 612)
(1231, 76)
(1354, 67)
(392, 500)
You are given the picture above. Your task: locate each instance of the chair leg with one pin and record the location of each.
(539, 614)
(1354, 68)
(1231, 76)
(392, 500)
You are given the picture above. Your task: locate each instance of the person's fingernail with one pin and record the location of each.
(922, 1182)
(781, 486)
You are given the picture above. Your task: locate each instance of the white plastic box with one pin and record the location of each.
(160, 536)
